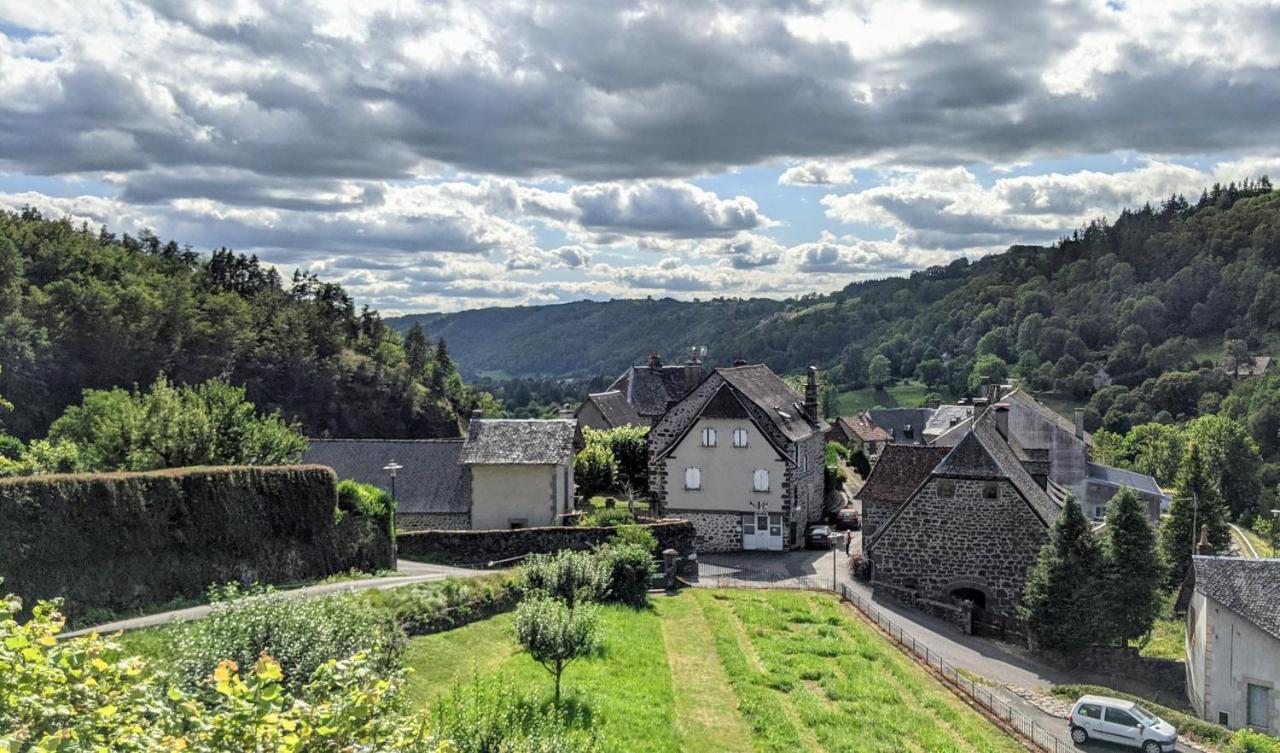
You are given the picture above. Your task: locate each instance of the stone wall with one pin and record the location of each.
(810, 484)
(430, 521)
(939, 544)
(1124, 668)
(479, 548)
(714, 531)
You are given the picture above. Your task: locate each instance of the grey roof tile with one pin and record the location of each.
(430, 479)
(785, 408)
(900, 471)
(500, 441)
(1248, 587)
(1122, 477)
(614, 407)
(905, 425)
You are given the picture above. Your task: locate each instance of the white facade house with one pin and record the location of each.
(1233, 641)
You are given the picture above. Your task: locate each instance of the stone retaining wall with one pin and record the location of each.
(433, 521)
(479, 548)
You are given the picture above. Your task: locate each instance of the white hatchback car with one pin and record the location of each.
(1097, 717)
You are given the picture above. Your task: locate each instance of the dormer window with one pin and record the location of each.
(740, 438)
(708, 437)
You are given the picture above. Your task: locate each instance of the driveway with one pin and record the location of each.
(1002, 665)
(408, 573)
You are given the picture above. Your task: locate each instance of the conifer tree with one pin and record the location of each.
(1061, 599)
(416, 350)
(1133, 570)
(1196, 504)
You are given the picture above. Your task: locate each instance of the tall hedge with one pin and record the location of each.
(127, 541)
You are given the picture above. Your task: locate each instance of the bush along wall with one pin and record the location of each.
(478, 548)
(121, 542)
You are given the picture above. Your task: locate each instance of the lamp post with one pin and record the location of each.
(391, 469)
(1275, 520)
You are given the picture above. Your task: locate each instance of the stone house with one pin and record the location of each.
(607, 410)
(503, 474)
(900, 470)
(1233, 641)
(971, 529)
(859, 433)
(741, 457)
(654, 387)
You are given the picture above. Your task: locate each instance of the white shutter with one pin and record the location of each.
(708, 437)
(739, 437)
(761, 479)
(692, 478)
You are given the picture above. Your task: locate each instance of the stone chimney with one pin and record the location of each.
(1079, 419)
(811, 394)
(1001, 411)
(655, 361)
(693, 368)
(1203, 547)
(739, 362)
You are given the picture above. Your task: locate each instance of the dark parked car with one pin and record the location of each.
(818, 537)
(848, 519)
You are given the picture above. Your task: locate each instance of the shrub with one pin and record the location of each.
(628, 571)
(1248, 741)
(85, 694)
(363, 499)
(566, 575)
(636, 535)
(594, 469)
(607, 518)
(300, 634)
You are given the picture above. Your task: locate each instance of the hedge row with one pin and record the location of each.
(478, 548)
(119, 542)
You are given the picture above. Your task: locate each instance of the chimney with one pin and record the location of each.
(477, 414)
(655, 361)
(739, 362)
(693, 368)
(1001, 411)
(1079, 417)
(811, 394)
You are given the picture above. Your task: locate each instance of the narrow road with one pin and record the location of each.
(410, 573)
(1247, 548)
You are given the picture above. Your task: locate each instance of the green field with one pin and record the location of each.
(901, 395)
(731, 672)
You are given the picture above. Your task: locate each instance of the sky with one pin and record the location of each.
(453, 155)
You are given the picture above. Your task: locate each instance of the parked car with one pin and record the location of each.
(848, 519)
(1097, 717)
(818, 537)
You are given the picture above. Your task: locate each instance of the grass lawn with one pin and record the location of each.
(1168, 633)
(900, 395)
(730, 672)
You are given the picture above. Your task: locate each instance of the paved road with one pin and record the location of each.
(408, 574)
(1000, 663)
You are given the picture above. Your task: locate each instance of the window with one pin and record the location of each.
(1259, 704)
(946, 487)
(692, 478)
(760, 480)
(708, 437)
(1224, 719)
(990, 490)
(1091, 711)
(1116, 716)
(739, 437)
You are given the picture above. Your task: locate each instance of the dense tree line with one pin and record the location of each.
(83, 309)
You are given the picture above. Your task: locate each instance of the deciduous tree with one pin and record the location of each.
(556, 635)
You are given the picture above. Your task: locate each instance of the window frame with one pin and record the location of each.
(741, 434)
(708, 436)
(1107, 711)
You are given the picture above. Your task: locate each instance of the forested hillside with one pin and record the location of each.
(1158, 289)
(83, 309)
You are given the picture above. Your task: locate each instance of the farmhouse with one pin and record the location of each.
(741, 458)
(1233, 641)
(970, 529)
(503, 474)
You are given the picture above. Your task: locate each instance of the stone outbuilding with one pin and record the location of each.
(858, 432)
(1233, 641)
(970, 531)
(504, 474)
(741, 457)
(896, 476)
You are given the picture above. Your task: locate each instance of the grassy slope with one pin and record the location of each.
(782, 671)
(901, 395)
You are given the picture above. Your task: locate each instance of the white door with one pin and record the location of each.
(749, 531)
(774, 540)
(762, 531)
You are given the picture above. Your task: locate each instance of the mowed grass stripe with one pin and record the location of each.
(884, 702)
(444, 660)
(707, 716)
(772, 730)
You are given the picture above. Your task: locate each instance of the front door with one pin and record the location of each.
(762, 531)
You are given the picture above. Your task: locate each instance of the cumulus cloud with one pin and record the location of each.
(675, 209)
(818, 173)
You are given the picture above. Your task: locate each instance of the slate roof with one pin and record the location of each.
(1049, 414)
(614, 407)
(863, 428)
(650, 390)
(946, 417)
(507, 441)
(1121, 477)
(430, 479)
(984, 454)
(758, 384)
(1248, 587)
(896, 420)
(900, 471)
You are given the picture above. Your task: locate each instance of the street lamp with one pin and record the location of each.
(391, 469)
